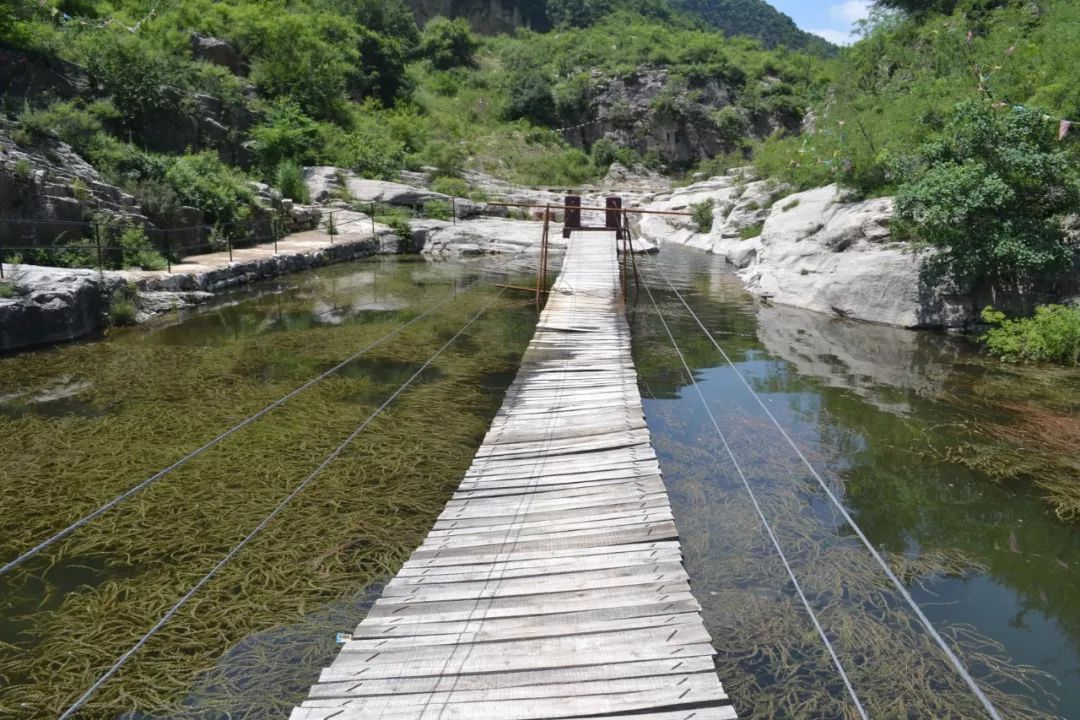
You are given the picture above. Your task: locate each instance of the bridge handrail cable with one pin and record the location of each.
(139, 487)
(761, 515)
(74, 707)
(961, 669)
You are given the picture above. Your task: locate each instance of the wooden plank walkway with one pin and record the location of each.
(552, 585)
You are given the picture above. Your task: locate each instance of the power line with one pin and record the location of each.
(956, 662)
(135, 489)
(266, 521)
(761, 515)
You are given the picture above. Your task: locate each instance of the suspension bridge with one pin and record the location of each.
(552, 584)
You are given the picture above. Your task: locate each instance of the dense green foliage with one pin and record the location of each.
(990, 190)
(448, 43)
(1051, 335)
(954, 107)
(756, 19)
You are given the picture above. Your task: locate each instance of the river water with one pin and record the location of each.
(926, 445)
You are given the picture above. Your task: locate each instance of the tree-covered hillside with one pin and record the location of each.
(756, 19)
(141, 88)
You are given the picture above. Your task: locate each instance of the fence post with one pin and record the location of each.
(276, 228)
(1, 257)
(228, 241)
(168, 251)
(331, 228)
(97, 242)
(453, 208)
(372, 217)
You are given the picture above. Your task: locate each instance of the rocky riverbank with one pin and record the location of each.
(45, 305)
(822, 251)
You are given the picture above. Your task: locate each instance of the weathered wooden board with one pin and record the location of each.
(552, 584)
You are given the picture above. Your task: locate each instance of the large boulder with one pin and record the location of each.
(739, 203)
(818, 252)
(217, 52)
(51, 305)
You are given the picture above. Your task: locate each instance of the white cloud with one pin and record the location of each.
(850, 11)
(837, 37)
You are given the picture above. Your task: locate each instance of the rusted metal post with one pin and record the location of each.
(228, 241)
(97, 242)
(630, 245)
(168, 251)
(613, 211)
(540, 274)
(573, 215)
(1, 257)
(373, 217)
(453, 208)
(547, 240)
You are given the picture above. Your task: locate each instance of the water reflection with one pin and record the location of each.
(873, 409)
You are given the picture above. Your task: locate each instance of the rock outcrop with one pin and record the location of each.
(217, 52)
(676, 120)
(48, 190)
(51, 305)
(816, 250)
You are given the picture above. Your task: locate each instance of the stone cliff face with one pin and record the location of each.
(653, 113)
(485, 16)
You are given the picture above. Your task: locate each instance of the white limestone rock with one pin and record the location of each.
(820, 253)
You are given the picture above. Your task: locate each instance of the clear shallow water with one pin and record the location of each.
(874, 409)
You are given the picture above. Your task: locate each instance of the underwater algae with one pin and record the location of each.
(772, 662)
(145, 405)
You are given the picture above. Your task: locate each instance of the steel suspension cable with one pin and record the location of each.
(139, 487)
(269, 518)
(761, 515)
(957, 664)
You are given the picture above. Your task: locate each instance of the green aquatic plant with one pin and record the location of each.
(1051, 335)
(150, 398)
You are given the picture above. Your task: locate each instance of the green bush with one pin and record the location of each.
(450, 186)
(7, 290)
(990, 191)
(122, 311)
(606, 151)
(130, 70)
(448, 158)
(448, 43)
(289, 179)
(751, 232)
(222, 192)
(1052, 335)
(137, 251)
(701, 215)
(285, 134)
(438, 210)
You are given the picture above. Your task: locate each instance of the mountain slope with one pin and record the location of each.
(757, 19)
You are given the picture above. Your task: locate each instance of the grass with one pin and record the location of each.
(751, 232)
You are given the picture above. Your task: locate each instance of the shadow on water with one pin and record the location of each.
(877, 411)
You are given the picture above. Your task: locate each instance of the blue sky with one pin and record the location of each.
(831, 19)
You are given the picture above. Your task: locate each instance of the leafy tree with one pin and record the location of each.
(286, 134)
(449, 43)
(530, 98)
(990, 191)
(203, 181)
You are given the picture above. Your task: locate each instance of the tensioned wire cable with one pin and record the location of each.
(266, 521)
(961, 669)
(139, 487)
(761, 515)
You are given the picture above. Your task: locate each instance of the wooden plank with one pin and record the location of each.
(552, 584)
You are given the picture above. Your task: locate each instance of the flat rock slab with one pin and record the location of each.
(552, 585)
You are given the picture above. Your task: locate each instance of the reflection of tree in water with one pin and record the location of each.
(867, 415)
